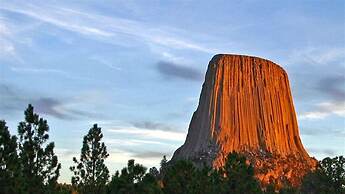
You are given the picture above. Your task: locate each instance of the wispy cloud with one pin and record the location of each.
(325, 109)
(153, 126)
(132, 142)
(150, 134)
(105, 62)
(326, 152)
(322, 132)
(6, 46)
(103, 27)
(321, 84)
(38, 70)
(172, 70)
(48, 71)
(148, 150)
(321, 75)
(150, 154)
(14, 99)
(317, 55)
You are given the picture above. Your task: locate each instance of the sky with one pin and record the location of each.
(136, 68)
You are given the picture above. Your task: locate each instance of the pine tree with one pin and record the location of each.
(8, 160)
(164, 162)
(329, 177)
(133, 180)
(239, 176)
(90, 172)
(154, 172)
(164, 165)
(39, 165)
(180, 178)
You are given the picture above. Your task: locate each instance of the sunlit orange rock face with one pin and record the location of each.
(246, 106)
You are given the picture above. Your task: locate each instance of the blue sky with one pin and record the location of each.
(136, 68)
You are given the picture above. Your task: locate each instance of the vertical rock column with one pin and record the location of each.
(245, 105)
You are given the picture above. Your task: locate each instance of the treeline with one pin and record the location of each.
(28, 165)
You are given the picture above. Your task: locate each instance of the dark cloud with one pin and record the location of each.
(172, 70)
(150, 154)
(332, 86)
(57, 109)
(14, 99)
(50, 106)
(152, 125)
(317, 76)
(318, 82)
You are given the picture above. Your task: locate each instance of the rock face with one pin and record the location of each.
(246, 106)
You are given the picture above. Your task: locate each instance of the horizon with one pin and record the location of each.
(136, 69)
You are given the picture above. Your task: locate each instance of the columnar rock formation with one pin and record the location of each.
(246, 106)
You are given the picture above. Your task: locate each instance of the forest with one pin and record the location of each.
(28, 165)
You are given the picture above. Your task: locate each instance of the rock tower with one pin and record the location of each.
(246, 106)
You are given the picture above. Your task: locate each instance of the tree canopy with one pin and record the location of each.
(28, 165)
(8, 159)
(38, 163)
(90, 172)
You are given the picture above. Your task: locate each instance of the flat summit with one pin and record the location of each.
(246, 106)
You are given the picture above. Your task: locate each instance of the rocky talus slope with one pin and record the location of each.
(246, 106)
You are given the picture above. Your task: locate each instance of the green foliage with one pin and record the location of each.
(235, 177)
(28, 165)
(39, 167)
(179, 178)
(8, 160)
(270, 189)
(133, 180)
(334, 168)
(63, 189)
(328, 178)
(208, 180)
(288, 190)
(239, 176)
(163, 165)
(154, 173)
(90, 172)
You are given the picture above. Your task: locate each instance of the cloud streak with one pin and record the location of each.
(149, 133)
(150, 154)
(172, 71)
(153, 126)
(7, 47)
(101, 27)
(325, 109)
(320, 87)
(322, 132)
(13, 99)
(327, 152)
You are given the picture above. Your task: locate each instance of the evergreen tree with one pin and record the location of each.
(164, 164)
(328, 178)
(39, 167)
(207, 180)
(90, 172)
(133, 180)
(239, 176)
(334, 168)
(154, 173)
(216, 181)
(8, 160)
(179, 178)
